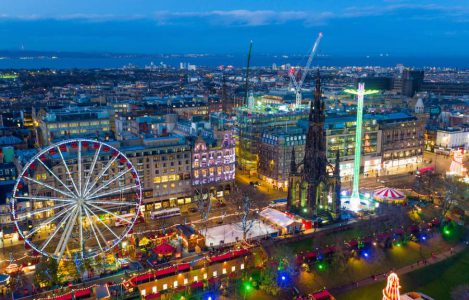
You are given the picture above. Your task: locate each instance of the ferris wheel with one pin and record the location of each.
(84, 197)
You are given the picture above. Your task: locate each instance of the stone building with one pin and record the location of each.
(315, 190)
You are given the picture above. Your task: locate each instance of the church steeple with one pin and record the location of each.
(317, 106)
(293, 162)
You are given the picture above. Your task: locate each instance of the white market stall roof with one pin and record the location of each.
(229, 232)
(277, 217)
(388, 194)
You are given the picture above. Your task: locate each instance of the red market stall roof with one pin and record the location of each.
(160, 273)
(164, 249)
(352, 243)
(229, 255)
(329, 250)
(69, 296)
(310, 255)
(383, 236)
(196, 285)
(322, 295)
(153, 296)
(180, 288)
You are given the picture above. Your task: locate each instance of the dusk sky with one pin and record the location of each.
(427, 28)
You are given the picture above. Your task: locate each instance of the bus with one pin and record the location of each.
(165, 213)
(278, 202)
(425, 170)
(129, 217)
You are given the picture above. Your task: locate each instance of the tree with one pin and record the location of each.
(46, 273)
(247, 221)
(455, 192)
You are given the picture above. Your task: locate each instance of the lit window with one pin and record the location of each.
(165, 286)
(242, 267)
(205, 275)
(224, 270)
(196, 278)
(175, 284)
(233, 268)
(185, 281)
(214, 273)
(143, 293)
(154, 290)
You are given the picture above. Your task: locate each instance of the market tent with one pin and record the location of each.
(164, 249)
(389, 195)
(144, 241)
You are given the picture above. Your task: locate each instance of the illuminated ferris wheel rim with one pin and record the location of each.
(73, 193)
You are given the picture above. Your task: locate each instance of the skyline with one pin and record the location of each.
(397, 28)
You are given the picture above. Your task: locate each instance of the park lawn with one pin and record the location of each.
(436, 281)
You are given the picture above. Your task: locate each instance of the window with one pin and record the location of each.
(165, 286)
(224, 271)
(196, 278)
(154, 290)
(175, 284)
(233, 268)
(143, 293)
(242, 267)
(186, 281)
(205, 275)
(214, 273)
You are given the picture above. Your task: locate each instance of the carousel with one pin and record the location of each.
(389, 196)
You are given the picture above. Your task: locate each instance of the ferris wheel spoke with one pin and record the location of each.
(112, 192)
(112, 203)
(55, 176)
(40, 211)
(44, 198)
(49, 186)
(79, 169)
(100, 175)
(62, 245)
(109, 182)
(46, 223)
(81, 231)
(95, 159)
(57, 229)
(107, 227)
(109, 212)
(94, 231)
(68, 170)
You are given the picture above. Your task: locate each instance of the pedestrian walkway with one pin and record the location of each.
(435, 258)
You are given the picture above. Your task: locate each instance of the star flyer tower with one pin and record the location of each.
(391, 292)
(360, 92)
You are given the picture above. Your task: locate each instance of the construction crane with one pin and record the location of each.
(293, 73)
(246, 88)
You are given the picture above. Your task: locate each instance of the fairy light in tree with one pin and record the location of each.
(360, 92)
(391, 292)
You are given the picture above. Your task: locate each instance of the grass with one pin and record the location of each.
(436, 280)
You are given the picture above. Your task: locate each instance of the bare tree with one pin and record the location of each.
(247, 220)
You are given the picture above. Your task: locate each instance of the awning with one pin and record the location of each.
(164, 249)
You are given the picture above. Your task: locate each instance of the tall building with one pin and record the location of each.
(315, 190)
(411, 82)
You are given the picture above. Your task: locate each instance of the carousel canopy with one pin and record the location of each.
(388, 194)
(164, 249)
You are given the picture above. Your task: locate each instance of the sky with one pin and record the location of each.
(350, 27)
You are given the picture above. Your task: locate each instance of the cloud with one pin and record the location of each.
(243, 17)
